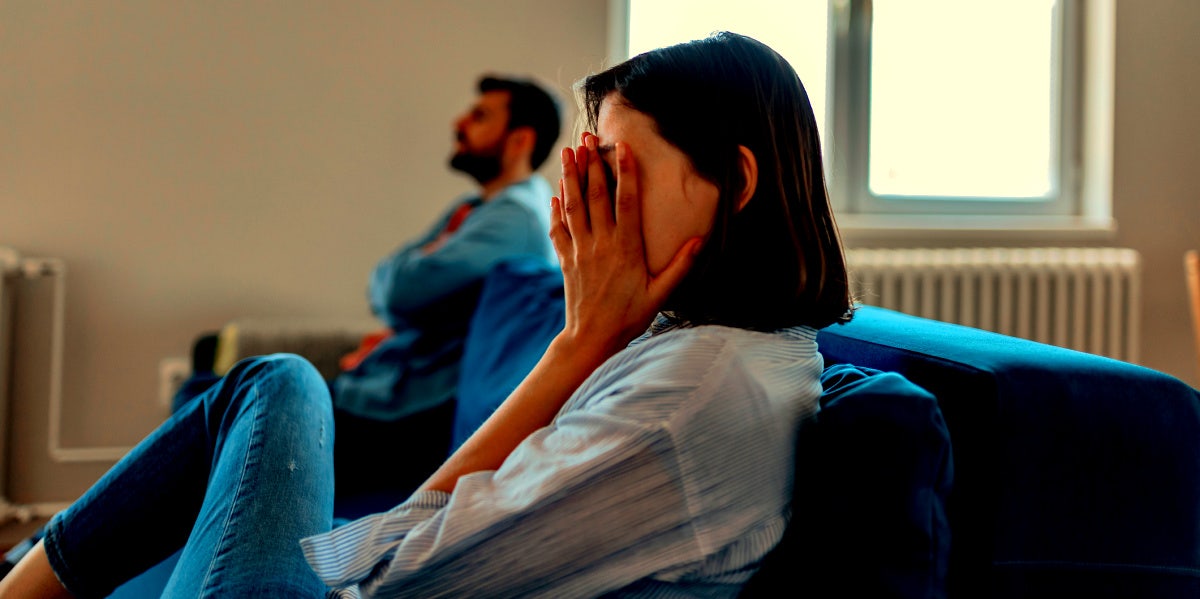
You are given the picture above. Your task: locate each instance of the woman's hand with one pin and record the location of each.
(610, 299)
(611, 296)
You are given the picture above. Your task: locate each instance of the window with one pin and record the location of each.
(935, 113)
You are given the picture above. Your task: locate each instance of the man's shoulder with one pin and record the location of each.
(526, 192)
(525, 201)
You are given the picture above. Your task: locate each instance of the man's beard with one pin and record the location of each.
(481, 165)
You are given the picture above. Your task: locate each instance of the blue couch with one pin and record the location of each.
(944, 460)
(1074, 475)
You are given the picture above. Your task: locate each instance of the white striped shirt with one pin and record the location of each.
(666, 474)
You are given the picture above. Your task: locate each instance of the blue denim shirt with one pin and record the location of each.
(428, 298)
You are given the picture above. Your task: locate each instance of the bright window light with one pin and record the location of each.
(962, 101)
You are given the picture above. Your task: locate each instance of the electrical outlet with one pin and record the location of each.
(172, 372)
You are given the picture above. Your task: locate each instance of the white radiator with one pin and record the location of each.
(1087, 299)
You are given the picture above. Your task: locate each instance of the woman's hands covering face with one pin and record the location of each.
(611, 297)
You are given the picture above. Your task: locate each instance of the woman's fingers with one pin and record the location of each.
(583, 189)
(581, 161)
(562, 218)
(600, 209)
(560, 238)
(628, 204)
(574, 211)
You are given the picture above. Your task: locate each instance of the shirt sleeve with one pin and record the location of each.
(410, 279)
(587, 505)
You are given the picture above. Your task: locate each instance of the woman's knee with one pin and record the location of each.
(288, 366)
(285, 379)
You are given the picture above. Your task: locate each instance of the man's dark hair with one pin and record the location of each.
(529, 105)
(778, 261)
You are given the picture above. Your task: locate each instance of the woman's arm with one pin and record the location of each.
(610, 299)
(673, 463)
(592, 504)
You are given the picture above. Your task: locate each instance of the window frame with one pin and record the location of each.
(850, 163)
(1082, 207)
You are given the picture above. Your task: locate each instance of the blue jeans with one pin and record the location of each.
(236, 478)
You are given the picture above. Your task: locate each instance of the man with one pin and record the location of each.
(426, 291)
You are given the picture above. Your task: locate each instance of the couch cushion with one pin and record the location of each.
(873, 469)
(1075, 475)
(520, 311)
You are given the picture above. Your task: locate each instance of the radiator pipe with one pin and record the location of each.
(33, 268)
(56, 268)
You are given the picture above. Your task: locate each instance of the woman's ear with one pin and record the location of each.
(749, 166)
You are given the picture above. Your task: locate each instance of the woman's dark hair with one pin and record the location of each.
(778, 261)
(529, 105)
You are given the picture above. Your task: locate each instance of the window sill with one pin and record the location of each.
(998, 229)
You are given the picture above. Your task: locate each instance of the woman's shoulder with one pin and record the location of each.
(680, 345)
(674, 369)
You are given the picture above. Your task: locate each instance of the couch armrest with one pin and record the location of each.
(323, 341)
(1074, 474)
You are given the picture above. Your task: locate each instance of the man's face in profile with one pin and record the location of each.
(479, 135)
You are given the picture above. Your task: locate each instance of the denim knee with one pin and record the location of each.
(286, 365)
(147, 505)
(288, 375)
(283, 381)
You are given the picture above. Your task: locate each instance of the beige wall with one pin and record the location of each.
(192, 162)
(196, 162)
(1156, 178)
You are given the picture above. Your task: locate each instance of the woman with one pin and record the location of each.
(633, 461)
